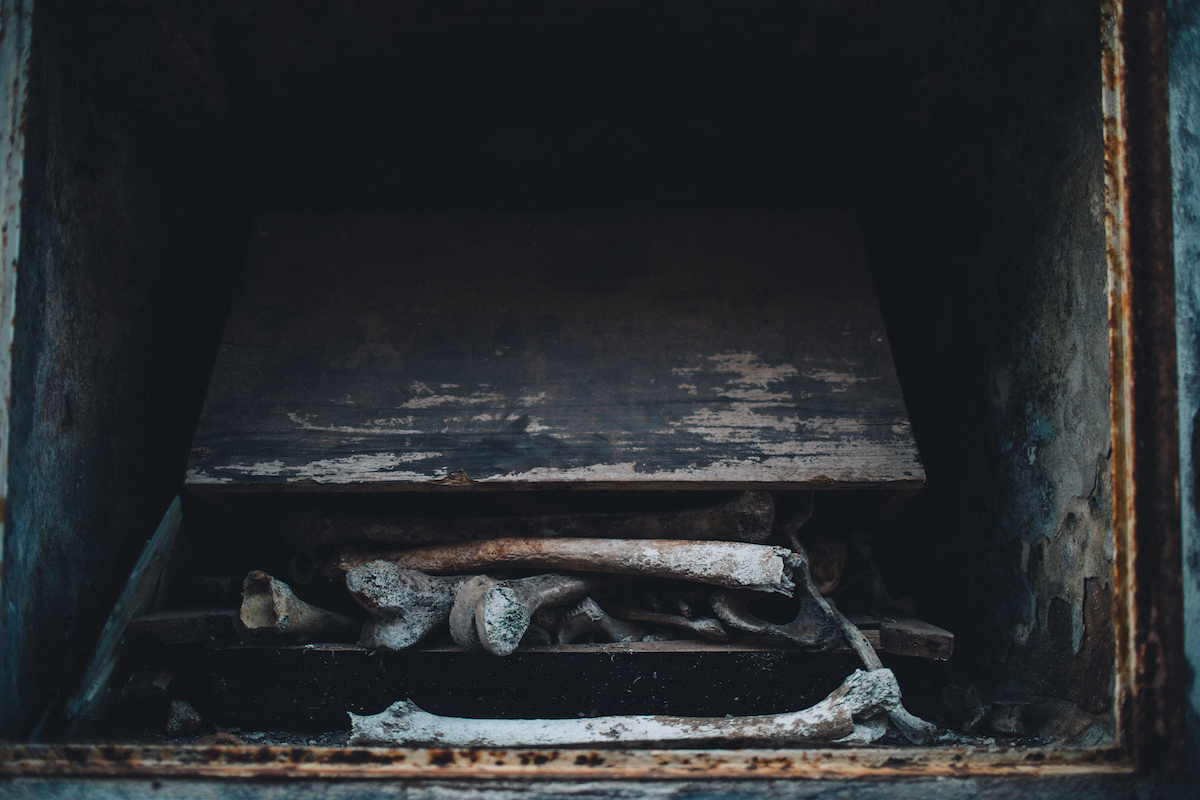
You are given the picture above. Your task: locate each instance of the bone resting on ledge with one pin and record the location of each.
(733, 564)
(851, 714)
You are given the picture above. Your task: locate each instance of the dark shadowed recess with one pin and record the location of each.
(965, 135)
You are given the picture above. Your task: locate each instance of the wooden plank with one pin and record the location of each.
(676, 350)
(134, 600)
(907, 636)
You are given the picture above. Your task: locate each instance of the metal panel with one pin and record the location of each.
(15, 28)
(1184, 36)
(1150, 691)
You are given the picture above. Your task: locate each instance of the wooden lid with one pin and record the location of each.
(673, 350)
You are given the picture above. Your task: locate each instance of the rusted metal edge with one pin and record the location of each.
(1146, 524)
(113, 760)
(15, 35)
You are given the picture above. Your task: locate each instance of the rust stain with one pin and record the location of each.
(1116, 234)
(284, 762)
(456, 478)
(1145, 461)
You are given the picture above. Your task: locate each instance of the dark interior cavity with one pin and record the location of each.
(964, 136)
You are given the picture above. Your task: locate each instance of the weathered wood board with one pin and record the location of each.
(673, 350)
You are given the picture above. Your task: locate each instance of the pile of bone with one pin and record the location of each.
(564, 589)
(691, 574)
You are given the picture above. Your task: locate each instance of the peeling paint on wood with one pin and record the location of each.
(715, 348)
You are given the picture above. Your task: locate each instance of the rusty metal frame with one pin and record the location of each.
(1146, 526)
(1148, 614)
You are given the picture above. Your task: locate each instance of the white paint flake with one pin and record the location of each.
(388, 426)
(841, 380)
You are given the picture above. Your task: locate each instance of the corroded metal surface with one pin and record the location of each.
(298, 762)
(1148, 624)
(15, 33)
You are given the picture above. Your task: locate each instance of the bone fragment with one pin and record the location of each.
(705, 628)
(911, 727)
(269, 606)
(182, 719)
(501, 611)
(811, 629)
(588, 617)
(814, 626)
(403, 604)
(737, 564)
(862, 697)
(826, 560)
(462, 612)
(746, 518)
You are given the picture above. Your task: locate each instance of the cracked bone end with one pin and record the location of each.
(403, 604)
(270, 606)
(864, 695)
(462, 613)
(501, 620)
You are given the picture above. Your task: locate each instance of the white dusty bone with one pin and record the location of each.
(702, 627)
(462, 612)
(735, 564)
(589, 617)
(502, 610)
(269, 606)
(849, 708)
(911, 727)
(403, 604)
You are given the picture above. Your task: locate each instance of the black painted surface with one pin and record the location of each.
(310, 689)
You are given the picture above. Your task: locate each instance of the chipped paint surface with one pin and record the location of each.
(741, 400)
(508, 376)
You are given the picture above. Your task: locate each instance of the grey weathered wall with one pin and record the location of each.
(990, 255)
(102, 376)
(1184, 55)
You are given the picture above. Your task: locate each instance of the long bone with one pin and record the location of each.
(912, 727)
(403, 604)
(846, 715)
(736, 564)
(588, 617)
(270, 606)
(746, 518)
(705, 628)
(496, 614)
